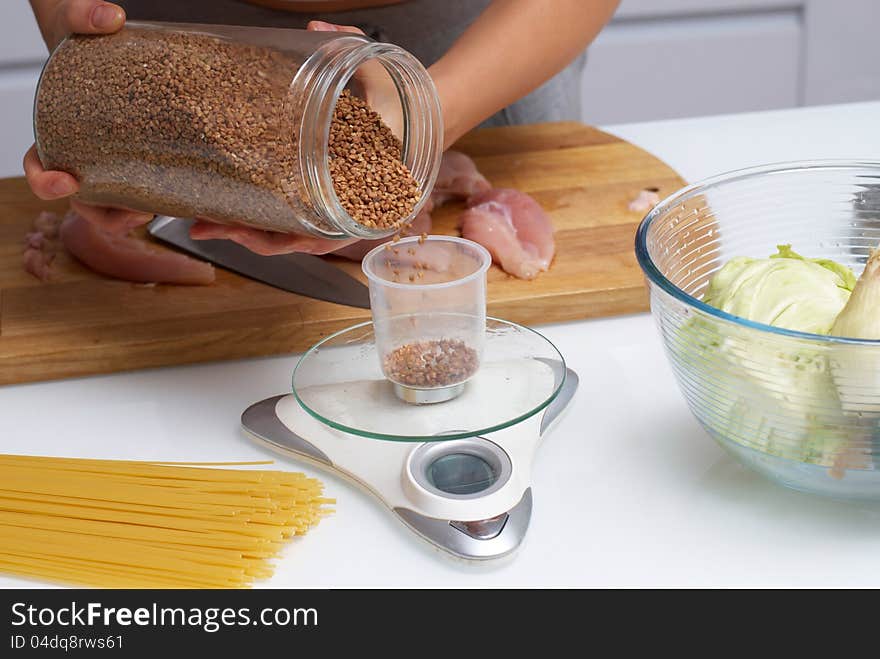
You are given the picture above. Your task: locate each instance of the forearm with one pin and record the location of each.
(510, 50)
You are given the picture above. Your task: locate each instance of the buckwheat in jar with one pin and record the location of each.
(325, 134)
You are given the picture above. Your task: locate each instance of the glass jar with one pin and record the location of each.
(320, 133)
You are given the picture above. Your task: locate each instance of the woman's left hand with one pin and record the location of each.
(267, 243)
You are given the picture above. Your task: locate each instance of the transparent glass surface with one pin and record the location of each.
(340, 382)
(461, 473)
(802, 409)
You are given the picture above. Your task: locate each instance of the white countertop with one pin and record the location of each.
(628, 490)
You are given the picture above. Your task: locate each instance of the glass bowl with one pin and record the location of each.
(802, 409)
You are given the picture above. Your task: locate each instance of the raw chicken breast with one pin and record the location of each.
(38, 261)
(47, 224)
(35, 240)
(458, 179)
(514, 228)
(40, 246)
(645, 200)
(128, 258)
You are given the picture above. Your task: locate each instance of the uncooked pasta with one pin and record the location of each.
(128, 524)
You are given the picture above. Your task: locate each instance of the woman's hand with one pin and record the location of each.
(57, 19)
(269, 243)
(47, 184)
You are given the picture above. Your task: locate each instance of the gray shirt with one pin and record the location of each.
(426, 28)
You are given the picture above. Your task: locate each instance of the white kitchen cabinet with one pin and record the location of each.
(657, 59)
(646, 69)
(22, 53)
(16, 116)
(20, 41)
(679, 58)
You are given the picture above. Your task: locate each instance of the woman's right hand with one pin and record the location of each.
(57, 19)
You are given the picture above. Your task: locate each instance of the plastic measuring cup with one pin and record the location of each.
(428, 301)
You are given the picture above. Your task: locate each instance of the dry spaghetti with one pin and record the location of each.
(127, 524)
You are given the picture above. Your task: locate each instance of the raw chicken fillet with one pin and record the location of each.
(514, 228)
(126, 257)
(458, 178)
(40, 246)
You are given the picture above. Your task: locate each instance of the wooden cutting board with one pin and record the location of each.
(83, 324)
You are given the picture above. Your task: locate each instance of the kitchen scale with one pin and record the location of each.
(458, 471)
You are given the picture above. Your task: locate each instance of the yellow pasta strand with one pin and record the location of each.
(130, 524)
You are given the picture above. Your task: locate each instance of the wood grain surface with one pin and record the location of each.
(82, 324)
